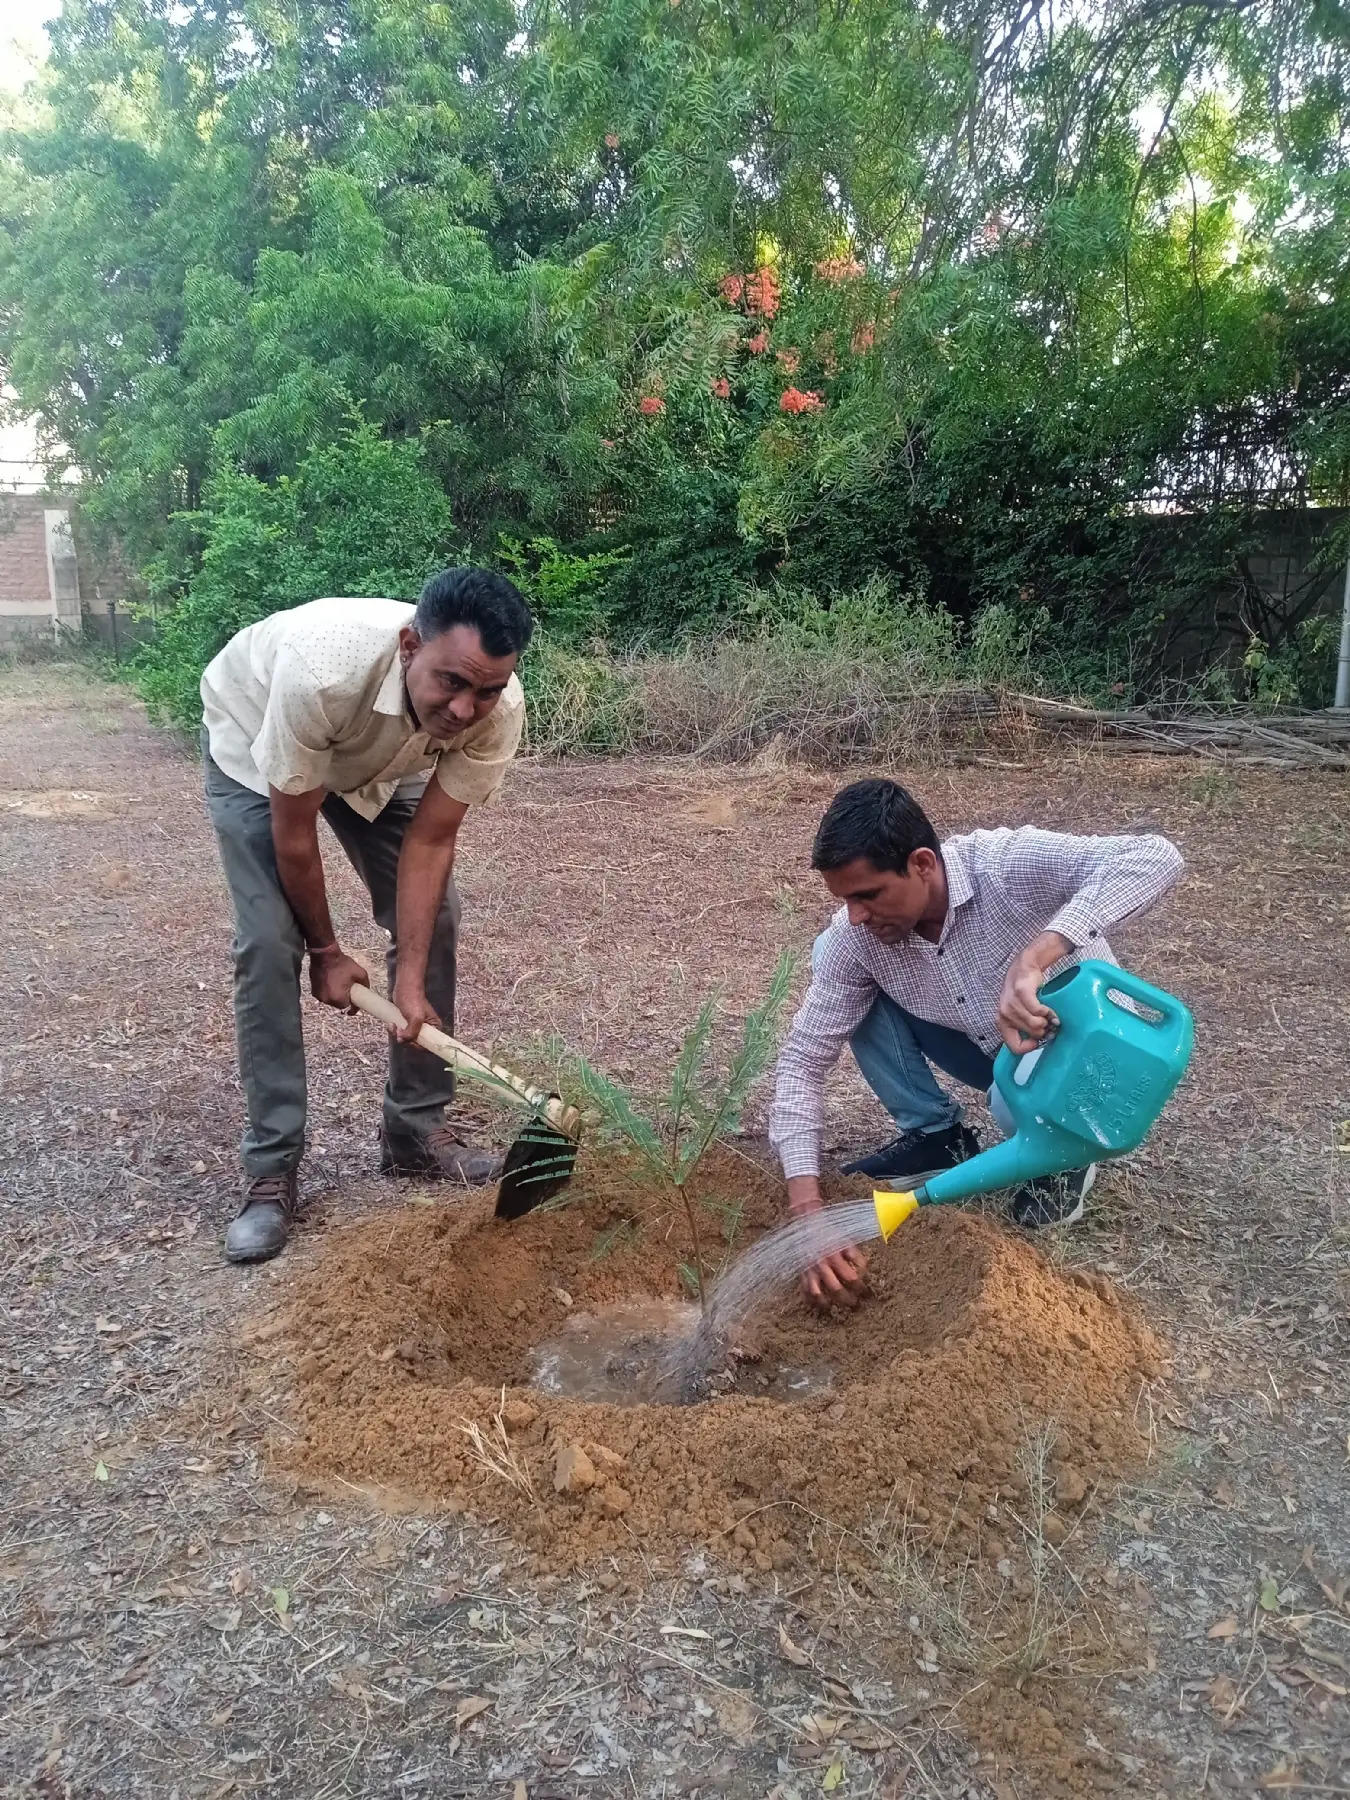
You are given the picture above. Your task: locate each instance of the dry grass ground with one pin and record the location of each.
(175, 1621)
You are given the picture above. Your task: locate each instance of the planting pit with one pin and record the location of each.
(418, 1338)
(629, 1355)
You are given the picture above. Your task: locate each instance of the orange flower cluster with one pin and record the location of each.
(793, 400)
(864, 338)
(839, 268)
(650, 406)
(763, 296)
(760, 292)
(757, 344)
(722, 388)
(791, 360)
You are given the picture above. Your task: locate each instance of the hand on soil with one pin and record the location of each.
(333, 976)
(837, 1280)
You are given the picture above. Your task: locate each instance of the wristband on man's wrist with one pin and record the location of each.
(323, 949)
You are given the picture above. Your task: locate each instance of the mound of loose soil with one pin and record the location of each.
(410, 1327)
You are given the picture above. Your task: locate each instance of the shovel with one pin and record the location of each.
(542, 1159)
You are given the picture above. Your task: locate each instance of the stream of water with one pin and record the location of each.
(662, 1351)
(761, 1270)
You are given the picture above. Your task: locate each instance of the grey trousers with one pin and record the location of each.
(269, 949)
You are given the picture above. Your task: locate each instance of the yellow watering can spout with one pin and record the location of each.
(893, 1210)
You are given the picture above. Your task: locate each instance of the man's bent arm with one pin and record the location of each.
(836, 1003)
(1094, 883)
(295, 838)
(1100, 882)
(424, 866)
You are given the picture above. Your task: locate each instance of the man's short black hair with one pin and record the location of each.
(876, 820)
(489, 602)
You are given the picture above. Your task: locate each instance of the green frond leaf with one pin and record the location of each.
(690, 1060)
(620, 1116)
(758, 1042)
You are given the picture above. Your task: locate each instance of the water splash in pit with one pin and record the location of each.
(641, 1353)
(663, 1352)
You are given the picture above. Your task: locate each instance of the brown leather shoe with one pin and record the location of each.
(438, 1155)
(263, 1223)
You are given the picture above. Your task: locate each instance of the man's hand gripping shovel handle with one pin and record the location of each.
(468, 1062)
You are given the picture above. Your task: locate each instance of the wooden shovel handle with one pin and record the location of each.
(460, 1056)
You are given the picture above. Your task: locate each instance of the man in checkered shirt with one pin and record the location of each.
(934, 959)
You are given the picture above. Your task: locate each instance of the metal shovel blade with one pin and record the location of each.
(538, 1165)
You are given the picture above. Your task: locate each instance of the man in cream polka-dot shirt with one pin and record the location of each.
(391, 721)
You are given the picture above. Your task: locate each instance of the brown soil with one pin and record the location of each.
(59, 803)
(143, 1643)
(411, 1327)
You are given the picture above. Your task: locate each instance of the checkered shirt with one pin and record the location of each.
(1004, 889)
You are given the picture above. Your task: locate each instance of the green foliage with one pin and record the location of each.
(1038, 271)
(359, 516)
(700, 1109)
(564, 590)
(576, 701)
(1301, 671)
(869, 624)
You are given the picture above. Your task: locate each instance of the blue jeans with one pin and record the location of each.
(896, 1052)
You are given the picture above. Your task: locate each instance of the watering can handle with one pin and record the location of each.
(1171, 1009)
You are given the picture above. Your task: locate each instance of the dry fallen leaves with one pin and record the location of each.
(819, 1728)
(793, 1652)
(738, 1717)
(1225, 1628)
(1305, 1673)
(1223, 1695)
(469, 1708)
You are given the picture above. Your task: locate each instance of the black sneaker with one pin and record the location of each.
(917, 1153)
(1053, 1199)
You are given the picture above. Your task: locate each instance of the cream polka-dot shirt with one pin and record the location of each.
(314, 698)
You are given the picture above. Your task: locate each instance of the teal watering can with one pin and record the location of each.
(1091, 1091)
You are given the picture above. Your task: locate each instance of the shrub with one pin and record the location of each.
(565, 591)
(577, 702)
(360, 516)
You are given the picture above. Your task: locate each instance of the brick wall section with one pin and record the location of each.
(23, 556)
(25, 584)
